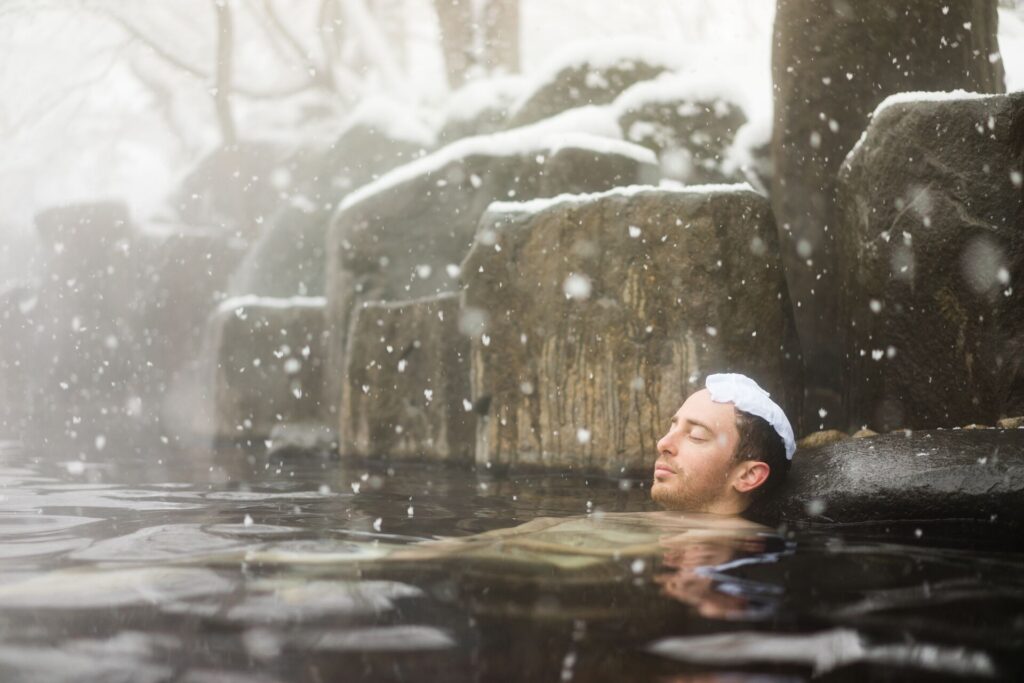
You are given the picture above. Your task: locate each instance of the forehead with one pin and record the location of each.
(700, 408)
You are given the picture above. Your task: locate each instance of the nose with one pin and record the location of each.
(665, 446)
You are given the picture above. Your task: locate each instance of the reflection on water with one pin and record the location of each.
(314, 570)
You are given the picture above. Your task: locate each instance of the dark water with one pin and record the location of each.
(165, 565)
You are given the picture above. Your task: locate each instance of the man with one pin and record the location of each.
(727, 444)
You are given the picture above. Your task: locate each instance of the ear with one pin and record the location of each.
(750, 475)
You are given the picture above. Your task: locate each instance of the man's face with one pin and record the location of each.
(695, 458)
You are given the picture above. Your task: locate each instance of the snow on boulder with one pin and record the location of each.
(594, 316)
(288, 258)
(832, 64)
(932, 226)
(403, 236)
(591, 74)
(265, 357)
(481, 107)
(406, 388)
(690, 122)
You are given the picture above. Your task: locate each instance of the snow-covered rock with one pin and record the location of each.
(930, 208)
(690, 122)
(591, 74)
(600, 313)
(406, 389)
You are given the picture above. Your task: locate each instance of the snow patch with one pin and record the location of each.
(391, 118)
(589, 128)
(538, 205)
(670, 87)
(253, 301)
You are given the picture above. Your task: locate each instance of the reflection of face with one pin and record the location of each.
(692, 587)
(695, 457)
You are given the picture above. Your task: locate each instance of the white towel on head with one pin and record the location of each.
(748, 396)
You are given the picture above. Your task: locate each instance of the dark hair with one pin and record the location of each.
(759, 441)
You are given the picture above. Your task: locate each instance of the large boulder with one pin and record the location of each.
(689, 122)
(289, 256)
(588, 74)
(593, 317)
(86, 348)
(403, 236)
(932, 224)
(833, 63)
(266, 359)
(406, 390)
(928, 475)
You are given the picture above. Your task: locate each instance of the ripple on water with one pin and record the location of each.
(168, 542)
(295, 600)
(258, 496)
(14, 524)
(405, 638)
(92, 589)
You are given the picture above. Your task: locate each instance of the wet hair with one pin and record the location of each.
(759, 441)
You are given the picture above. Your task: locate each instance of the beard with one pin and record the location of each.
(676, 495)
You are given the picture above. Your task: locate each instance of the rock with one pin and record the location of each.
(690, 123)
(601, 313)
(863, 433)
(833, 63)
(407, 383)
(86, 352)
(403, 236)
(928, 475)
(933, 251)
(1011, 423)
(235, 188)
(267, 364)
(822, 438)
(976, 426)
(288, 259)
(590, 74)
(16, 349)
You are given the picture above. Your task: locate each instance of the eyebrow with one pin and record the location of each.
(697, 423)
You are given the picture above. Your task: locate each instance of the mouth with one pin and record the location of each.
(662, 470)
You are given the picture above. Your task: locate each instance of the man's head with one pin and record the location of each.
(727, 444)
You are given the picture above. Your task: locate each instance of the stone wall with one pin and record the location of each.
(593, 317)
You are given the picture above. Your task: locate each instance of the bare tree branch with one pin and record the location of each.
(224, 56)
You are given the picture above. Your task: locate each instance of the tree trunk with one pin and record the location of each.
(455, 18)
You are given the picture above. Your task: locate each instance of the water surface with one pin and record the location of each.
(163, 564)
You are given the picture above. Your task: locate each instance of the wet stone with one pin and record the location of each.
(933, 262)
(829, 74)
(404, 236)
(920, 475)
(266, 367)
(599, 314)
(407, 382)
